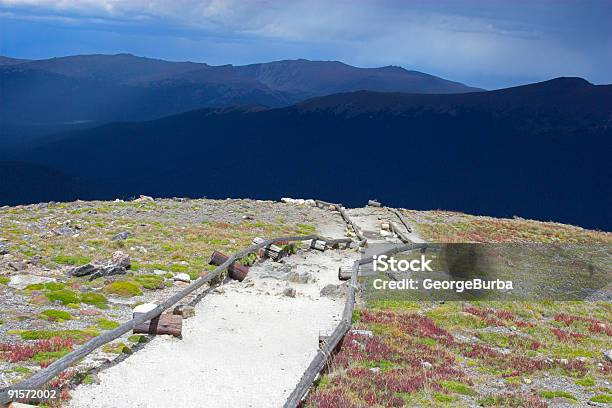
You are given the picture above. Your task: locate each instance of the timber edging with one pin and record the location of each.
(40, 378)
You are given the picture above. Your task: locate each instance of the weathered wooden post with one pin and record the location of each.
(344, 272)
(235, 270)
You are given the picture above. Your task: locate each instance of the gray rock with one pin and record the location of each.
(608, 355)
(334, 291)
(17, 265)
(121, 259)
(82, 270)
(184, 310)
(3, 248)
(97, 271)
(289, 292)
(66, 231)
(121, 236)
(159, 272)
(22, 281)
(297, 277)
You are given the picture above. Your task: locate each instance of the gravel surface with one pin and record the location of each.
(246, 347)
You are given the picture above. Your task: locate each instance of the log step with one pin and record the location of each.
(235, 270)
(163, 324)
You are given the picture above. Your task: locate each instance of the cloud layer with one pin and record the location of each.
(480, 42)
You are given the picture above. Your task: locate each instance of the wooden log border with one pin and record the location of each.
(329, 344)
(40, 378)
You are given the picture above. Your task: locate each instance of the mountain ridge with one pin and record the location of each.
(526, 151)
(105, 88)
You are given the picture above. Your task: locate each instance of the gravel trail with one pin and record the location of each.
(246, 347)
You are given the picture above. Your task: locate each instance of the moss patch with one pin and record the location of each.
(150, 282)
(95, 299)
(123, 288)
(65, 296)
(56, 315)
(106, 324)
(75, 260)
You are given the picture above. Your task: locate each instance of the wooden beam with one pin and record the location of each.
(235, 270)
(163, 324)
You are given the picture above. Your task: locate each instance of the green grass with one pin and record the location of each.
(4, 280)
(46, 286)
(95, 299)
(586, 382)
(123, 289)
(602, 398)
(75, 260)
(458, 388)
(57, 315)
(65, 296)
(106, 324)
(78, 335)
(137, 338)
(549, 394)
(444, 398)
(50, 355)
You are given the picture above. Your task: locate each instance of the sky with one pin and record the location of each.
(491, 44)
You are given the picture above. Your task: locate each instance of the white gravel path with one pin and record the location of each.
(246, 347)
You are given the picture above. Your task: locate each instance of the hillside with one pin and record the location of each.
(103, 88)
(526, 151)
(454, 353)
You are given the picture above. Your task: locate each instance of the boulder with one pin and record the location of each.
(334, 291)
(121, 259)
(17, 265)
(121, 236)
(182, 277)
(289, 292)
(24, 280)
(3, 248)
(608, 355)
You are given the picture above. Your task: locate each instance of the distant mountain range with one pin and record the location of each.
(46, 94)
(540, 151)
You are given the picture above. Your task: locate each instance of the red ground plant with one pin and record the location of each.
(15, 352)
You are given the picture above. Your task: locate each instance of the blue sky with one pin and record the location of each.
(491, 43)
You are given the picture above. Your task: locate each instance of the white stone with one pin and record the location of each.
(22, 281)
(182, 277)
(144, 308)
